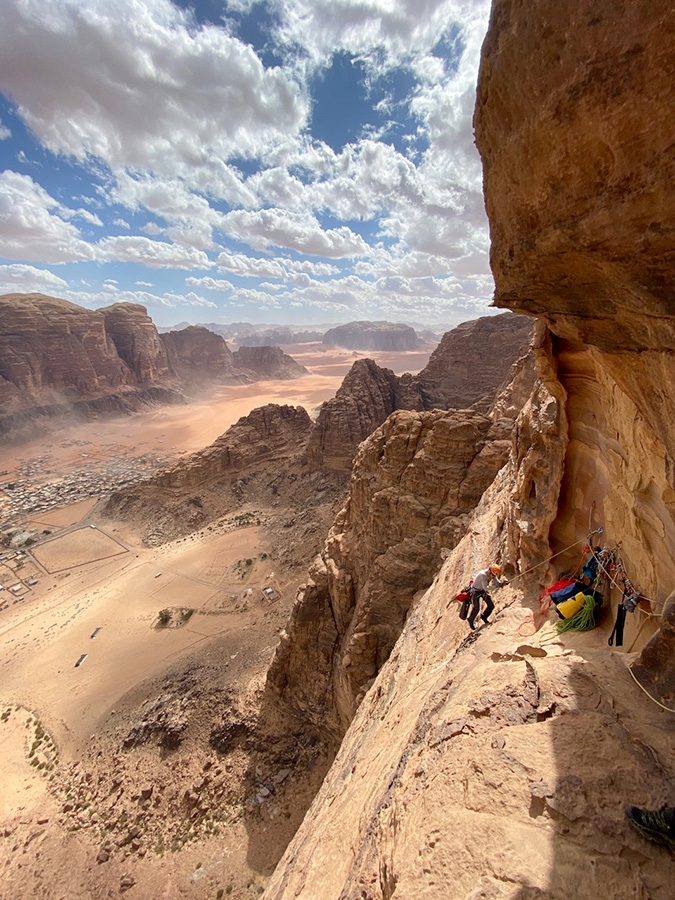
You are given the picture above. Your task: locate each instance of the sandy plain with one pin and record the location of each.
(84, 635)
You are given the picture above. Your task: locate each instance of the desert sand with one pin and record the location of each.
(83, 650)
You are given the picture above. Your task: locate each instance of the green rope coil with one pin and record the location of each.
(584, 620)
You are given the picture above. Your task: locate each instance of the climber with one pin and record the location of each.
(479, 591)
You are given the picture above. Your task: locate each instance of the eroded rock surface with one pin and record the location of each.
(267, 362)
(372, 336)
(196, 354)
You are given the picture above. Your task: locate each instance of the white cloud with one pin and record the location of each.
(154, 254)
(379, 31)
(27, 279)
(168, 299)
(32, 225)
(144, 283)
(300, 232)
(293, 271)
(140, 85)
(121, 223)
(211, 284)
(4, 132)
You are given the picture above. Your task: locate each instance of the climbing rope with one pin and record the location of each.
(653, 699)
(584, 620)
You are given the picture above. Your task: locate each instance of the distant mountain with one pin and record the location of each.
(57, 357)
(372, 336)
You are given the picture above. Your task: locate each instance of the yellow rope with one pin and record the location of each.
(653, 699)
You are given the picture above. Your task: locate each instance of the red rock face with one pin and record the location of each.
(267, 362)
(134, 335)
(472, 362)
(576, 128)
(197, 354)
(363, 401)
(52, 350)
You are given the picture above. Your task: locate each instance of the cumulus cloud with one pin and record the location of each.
(154, 254)
(301, 232)
(286, 269)
(145, 298)
(211, 284)
(378, 31)
(140, 85)
(32, 225)
(28, 279)
(4, 132)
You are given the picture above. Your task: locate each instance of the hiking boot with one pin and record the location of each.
(654, 824)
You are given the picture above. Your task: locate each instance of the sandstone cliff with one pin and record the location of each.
(58, 359)
(53, 350)
(471, 364)
(494, 765)
(372, 336)
(267, 362)
(363, 401)
(196, 354)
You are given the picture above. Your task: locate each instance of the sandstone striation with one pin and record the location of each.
(363, 401)
(196, 354)
(372, 336)
(267, 362)
(137, 341)
(52, 350)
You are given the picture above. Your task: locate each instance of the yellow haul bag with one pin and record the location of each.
(571, 607)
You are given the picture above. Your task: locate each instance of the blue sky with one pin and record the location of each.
(291, 161)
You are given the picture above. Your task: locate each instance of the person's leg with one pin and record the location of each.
(475, 600)
(489, 607)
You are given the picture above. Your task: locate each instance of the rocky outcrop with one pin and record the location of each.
(196, 354)
(267, 362)
(415, 480)
(57, 358)
(372, 336)
(469, 367)
(461, 774)
(52, 350)
(135, 337)
(363, 401)
(265, 433)
(472, 363)
(256, 463)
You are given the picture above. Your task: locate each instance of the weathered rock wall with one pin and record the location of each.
(587, 242)
(574, 123)
(362, 402)
(196, 354)
(497, 766)
(473, 362)
(137, 341)
(52, 350)
(267, 362)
